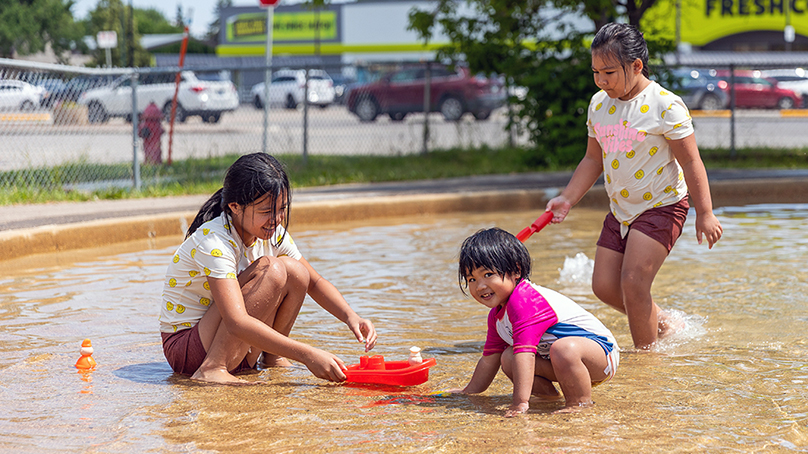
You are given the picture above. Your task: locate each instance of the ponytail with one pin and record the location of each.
(210, 210)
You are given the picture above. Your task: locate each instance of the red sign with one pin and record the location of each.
(268, 2)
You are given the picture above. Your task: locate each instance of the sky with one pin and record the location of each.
(201, 17)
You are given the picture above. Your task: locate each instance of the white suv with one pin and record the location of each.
(288, 86)
(206, 98)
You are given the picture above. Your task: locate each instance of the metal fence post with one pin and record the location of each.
(306, 117)
(732, 152)
(427, 106)
(135, 139)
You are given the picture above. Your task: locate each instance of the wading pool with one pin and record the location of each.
(734, 380)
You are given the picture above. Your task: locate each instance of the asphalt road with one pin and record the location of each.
(330, 131)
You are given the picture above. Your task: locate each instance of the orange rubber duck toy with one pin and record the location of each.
(86, 361)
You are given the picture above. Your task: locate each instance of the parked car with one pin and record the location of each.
(288, 87)
(453, 92)
(51, 87)
(208, 99)
(16, 94)
(341, 88)
(793, 79)
(752, 90)
(701, 89)
(74, 88)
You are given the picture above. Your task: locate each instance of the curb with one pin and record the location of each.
(55, 238)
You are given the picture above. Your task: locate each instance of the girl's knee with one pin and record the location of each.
(296, 273)
(565, 351)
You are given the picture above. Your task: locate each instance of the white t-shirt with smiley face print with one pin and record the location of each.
(213, 250)
(639, 169)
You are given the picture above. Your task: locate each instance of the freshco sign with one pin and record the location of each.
(268, 2)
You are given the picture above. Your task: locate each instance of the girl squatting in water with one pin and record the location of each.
(235, 286)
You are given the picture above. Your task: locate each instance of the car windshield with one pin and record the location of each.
(214, 76)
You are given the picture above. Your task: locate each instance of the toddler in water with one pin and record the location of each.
(538, 336)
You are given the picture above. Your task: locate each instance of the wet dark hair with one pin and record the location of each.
(623, 43)
(496, 250)
(248, 180)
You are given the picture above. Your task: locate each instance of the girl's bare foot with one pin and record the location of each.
(219, 376)
(574, 408)
(270, 360)
(669, 323)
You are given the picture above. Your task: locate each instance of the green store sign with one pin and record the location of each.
(298, 26)
(704, 21)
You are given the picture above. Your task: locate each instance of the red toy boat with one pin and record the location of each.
(374, 369)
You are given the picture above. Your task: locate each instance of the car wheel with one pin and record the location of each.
(27, 105)
(96, 113)
(257, 102)
(710, 102)
(397, 116)
(367, 109)
(451, 108)
(179, 115)
(323, 106)
(482, 115)
(785, 103)
(211, 117)
(290, 102)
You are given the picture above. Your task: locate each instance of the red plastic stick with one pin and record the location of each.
(537, 225)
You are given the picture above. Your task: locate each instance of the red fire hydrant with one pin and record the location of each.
(151, 131)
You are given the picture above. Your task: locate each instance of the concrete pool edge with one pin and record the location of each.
(62, 237)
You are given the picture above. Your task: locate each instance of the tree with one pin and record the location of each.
(29, 26)
(533, 45)
(214, 27)
(113, 15)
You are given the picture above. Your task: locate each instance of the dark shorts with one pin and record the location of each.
(663, 224)
(184, 352)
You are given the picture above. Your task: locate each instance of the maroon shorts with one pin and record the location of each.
(663, 224)
(185, 352)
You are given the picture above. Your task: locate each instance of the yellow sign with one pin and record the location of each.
(300, 26)
(704, 21)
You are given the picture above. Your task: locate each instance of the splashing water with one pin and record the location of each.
(689, 327)
(577, 271)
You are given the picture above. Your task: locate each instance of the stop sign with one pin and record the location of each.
(268, 2)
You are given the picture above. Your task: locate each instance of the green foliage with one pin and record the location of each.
(28, 26)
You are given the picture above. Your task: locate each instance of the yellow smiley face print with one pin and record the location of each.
(639, 174)
(180, 308)
(630, 154)
(663, 93)
(172, 282)
(205, 231)
(647, 196)
(207, 271)
(644, 108)
(668, 189)
(231, 275)
(653, 150)
(624, 193)
(597, 108)
(608, 178)
(193, 273)
(663, 114)
(216, 253)
(612, 110)
(660, 170)
(193, 252)
(206, 286)
(169, 306)
(204, 301)
(615, 164)
(176, 259)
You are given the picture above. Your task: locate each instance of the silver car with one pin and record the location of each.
(288, 87)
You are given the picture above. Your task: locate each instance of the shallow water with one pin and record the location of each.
(733, 381)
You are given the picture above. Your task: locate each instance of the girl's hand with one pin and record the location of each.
(364, 331)
(708, 225)
(326, 366)
(517, 409)
(560, 207)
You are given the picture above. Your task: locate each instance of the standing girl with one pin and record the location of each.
(641, 139)
(236, 284)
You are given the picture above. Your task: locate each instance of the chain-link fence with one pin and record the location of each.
(75, 128)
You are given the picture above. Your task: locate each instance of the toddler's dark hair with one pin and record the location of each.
(496, 250)
(247, 180)
(622, 42)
